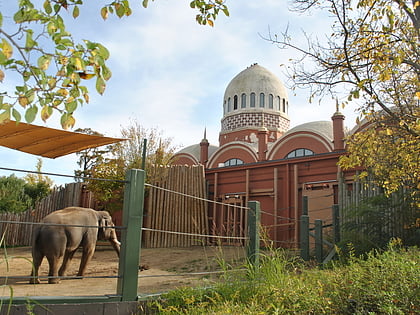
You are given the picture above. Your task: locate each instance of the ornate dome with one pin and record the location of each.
(255, 89)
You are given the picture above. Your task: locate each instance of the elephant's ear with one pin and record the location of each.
(104, 230)
(102, 222)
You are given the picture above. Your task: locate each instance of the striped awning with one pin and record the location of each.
(47, 142)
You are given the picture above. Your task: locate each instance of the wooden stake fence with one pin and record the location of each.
(21, 234)
(170, 209)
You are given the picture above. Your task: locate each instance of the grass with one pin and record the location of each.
(385, 282)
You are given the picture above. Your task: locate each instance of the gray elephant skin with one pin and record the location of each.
(85, 227)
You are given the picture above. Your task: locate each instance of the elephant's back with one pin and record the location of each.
(72, 215)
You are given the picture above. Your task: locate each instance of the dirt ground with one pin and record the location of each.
(166, 267)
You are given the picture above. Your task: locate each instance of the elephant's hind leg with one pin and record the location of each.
(68, 256)
(86, 257)
(53, 273)
(37, 260)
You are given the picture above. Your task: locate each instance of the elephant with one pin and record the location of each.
(78, 230)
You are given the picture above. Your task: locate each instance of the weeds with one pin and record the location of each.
(385, 282)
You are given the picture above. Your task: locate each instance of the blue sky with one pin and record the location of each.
(171, 73)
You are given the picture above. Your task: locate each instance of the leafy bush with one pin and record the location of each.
(384, 283)
(17, 195)
(374, 221)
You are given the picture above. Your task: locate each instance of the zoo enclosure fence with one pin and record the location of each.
(127, 284)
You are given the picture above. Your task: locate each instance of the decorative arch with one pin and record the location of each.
(307, 140)
(184, 159)
(233, 150)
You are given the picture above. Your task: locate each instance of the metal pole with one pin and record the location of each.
(305, 205)
(254, 217)
(336, 223)
(131, 236)
(143, 159)
(304, 237)
(318, 240)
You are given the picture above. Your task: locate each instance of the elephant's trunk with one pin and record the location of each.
(114, 242)
(116, 245)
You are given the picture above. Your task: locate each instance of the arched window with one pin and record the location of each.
(252, 99)
(235, 102)
(262, 99)
(299, 153)
(243, 100)
(270, 101)
(224, 107)
(233, 162)
(278, 103)
(284, 105)
(228, 107)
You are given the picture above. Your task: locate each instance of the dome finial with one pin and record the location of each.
(205, 135)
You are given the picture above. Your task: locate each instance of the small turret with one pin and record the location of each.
(204, 149)
(338, 130)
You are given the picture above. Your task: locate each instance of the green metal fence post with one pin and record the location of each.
(304, 237)
(254, 216)
(305, 205)
(318, 241)
(336, 223)
(131, 236)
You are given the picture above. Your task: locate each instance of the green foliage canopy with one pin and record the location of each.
(18, 195)
(51, 66)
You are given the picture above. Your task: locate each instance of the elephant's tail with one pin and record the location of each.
(36, 235)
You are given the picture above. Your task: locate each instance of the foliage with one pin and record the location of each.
(38, 178)
(384, 283)
(90, 157)
(21, 194)
(392, 157)
(17, 195)
(51, 67)
(373, 221)
(371, 61)
(127, 155)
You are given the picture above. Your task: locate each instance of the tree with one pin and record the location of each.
(38, 177)
(371, 61)
(90, 157)
(127, 155)
(37, 185)
(51, 66)
(21, 194)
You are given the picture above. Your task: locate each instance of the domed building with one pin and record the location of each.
(260, 158)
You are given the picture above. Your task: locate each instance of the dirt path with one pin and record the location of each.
(163, 264)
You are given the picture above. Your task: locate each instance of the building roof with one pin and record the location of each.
(322, 128)
(256, 79)
(195, 149)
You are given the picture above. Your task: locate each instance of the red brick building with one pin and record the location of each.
(260, 158)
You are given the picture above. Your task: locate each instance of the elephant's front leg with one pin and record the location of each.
(68, 256)
(86, 257)
(53, 273)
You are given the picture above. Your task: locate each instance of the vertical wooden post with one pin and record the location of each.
(131, 236)
(336, 223)
(254, 217)
(318, 241)
(304, 237)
